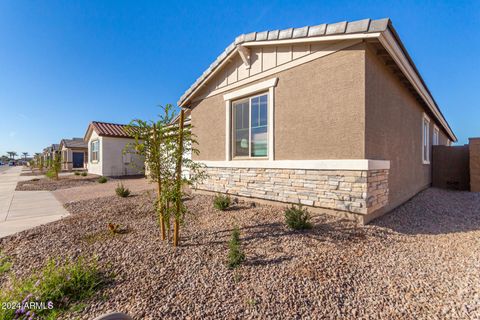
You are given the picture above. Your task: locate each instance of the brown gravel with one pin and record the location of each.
(419, 262)
(63, 182)
(92, 191)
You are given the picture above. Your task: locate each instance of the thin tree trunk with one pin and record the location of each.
(178, 181)
(159, 185)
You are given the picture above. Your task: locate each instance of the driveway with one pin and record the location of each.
(22, 210)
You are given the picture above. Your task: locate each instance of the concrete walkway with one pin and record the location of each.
(22, 210)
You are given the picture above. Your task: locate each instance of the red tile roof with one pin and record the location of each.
(111, 129)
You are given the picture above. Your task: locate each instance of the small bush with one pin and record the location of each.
(57, 286)
(84, 174)
(5, 263)
(121, 191)
(235, 254)
(221, 202)
(297, 218)
(102, 179)
(50, 174)
(77, 173)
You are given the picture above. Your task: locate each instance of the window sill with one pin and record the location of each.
(426, 162)
(248, 158)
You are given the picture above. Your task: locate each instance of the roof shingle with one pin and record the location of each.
(112, 129)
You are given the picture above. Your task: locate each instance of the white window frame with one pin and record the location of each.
(261, 87)
(249, 98)
(436, 136)
(425, 139)
(97, 152)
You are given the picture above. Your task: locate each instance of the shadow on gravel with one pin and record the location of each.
(435, 212)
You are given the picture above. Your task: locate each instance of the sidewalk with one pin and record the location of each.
(22, 210)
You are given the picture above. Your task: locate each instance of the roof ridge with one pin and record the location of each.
(116, 124)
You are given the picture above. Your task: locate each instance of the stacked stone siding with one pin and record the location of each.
(361, 191)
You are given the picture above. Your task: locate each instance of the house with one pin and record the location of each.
(106, 144)
(333, 116)
(50, 152)
(74, 154)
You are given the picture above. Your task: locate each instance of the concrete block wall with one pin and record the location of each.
(474, 144)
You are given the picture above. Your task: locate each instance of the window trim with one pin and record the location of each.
(436, 136)
(91, 151)
(264, 86)
(250, 157)
(425, 157)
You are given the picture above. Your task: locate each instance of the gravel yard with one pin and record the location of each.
(419, 262)
(63, 182)
(92, 191)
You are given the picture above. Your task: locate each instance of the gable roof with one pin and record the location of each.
(73, 143)
(381, 29)
(106, 129)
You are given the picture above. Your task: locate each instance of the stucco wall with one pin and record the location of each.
(394, 131)
(113, 159)
(319, 111)
(95, 167)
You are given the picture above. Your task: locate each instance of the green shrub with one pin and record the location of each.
(235, 254)
(102, 179)
(77, 173)
(50, 174)
(84, 174)
(297, 218)
(121, 191)
(221, 202)
(5, 263)
(58, 286)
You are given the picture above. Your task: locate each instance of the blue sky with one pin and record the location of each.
(66, 63)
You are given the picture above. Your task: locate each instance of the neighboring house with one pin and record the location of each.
(74, 154)
(50, 152)
(332, 116)
(106, 144)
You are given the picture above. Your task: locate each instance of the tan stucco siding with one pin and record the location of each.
(319, 111)
(394, 131)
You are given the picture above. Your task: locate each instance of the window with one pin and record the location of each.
(426, 140)
(94, 150)
(435, 136)
(250, 127)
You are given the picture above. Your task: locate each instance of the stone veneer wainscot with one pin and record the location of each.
(355, 191)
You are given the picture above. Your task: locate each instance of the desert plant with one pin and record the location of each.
(235, 253)
(297, 218)
(50, 174)
(165, 146)
(121, 191)
(59, 285)
(77, 173)
(84, 174)
(102, 179)
(55, 166)
(5, 263)
(222, 202)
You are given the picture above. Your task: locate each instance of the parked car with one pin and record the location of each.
(11, 163)
(1, 163)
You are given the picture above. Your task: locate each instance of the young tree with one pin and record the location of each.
(164, 146)
(55, 165)
(25, 155)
